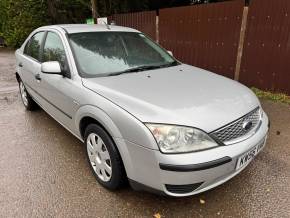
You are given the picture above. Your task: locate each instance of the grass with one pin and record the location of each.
(276, 97)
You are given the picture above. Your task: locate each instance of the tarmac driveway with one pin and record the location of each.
(44, 172)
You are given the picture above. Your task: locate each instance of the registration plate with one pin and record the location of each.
(249, 156)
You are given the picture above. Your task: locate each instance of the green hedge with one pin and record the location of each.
(19, 18)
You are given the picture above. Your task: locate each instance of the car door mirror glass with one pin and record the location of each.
(51, 67)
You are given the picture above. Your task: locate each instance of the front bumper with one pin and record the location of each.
(202, 170)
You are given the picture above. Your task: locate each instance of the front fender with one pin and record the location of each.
(119, 123)
(99, 115)
(124, 130)
(104, 119)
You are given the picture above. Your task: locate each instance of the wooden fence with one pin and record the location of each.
(208, 36)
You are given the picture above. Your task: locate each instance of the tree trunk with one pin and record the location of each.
(94, 10)
(52, 11)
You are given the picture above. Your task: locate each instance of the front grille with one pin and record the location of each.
(236, 130)
(182, 189)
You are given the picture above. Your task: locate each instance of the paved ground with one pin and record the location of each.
(44, 173)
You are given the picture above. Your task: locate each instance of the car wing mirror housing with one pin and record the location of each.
(51, 67)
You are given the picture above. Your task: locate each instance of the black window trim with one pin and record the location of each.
(25, 47)
(42, 47)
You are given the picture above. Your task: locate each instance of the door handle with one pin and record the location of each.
(20, 65)
(37, 77)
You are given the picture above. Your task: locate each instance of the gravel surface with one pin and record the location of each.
(44, 172)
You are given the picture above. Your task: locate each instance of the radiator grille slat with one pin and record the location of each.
(235, 130)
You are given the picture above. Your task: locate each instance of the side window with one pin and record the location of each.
(26, 48)
(53, 49)
(32, 47)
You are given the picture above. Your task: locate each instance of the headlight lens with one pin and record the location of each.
(179, 139)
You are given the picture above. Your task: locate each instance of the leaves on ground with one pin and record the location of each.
(201, 201)
(157, 215)
(276, 97)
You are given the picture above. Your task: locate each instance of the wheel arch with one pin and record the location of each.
(87, 120)
(90, 114)
(17, 77)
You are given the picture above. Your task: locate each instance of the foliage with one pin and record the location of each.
(276, 97)
(3, 14)
(109, 7)
(19, 18)
(68, 11)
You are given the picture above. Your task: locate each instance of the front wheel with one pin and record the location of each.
(104, 158)
(27, 100)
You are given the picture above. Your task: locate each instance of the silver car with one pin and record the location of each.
(144, 117)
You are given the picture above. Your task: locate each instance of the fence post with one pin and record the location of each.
(241, 43)
(157, 28)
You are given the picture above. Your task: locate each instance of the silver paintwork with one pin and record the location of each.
(201, 99)
(52, 67)
(182, 95)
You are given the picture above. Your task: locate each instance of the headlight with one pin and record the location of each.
(179, 139)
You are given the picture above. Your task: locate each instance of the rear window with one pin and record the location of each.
(32, 48)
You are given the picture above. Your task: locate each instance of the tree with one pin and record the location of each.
(3, 15)
(109, 7)
(94, 10)
(20, 18)
(68, 11)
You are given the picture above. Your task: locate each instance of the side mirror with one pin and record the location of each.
(51, 67)
(170, 52)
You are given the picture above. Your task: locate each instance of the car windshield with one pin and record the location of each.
(114, 53)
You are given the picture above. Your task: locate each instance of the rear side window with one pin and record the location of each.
(53, 49)
(32, 48)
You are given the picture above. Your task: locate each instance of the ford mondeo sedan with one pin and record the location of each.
(143, 116)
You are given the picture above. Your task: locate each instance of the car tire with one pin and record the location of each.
(27, 100)
(104, 158)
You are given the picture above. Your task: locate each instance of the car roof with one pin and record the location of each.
(78, 28)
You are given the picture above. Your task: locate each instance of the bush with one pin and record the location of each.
(18, 18)
(21, 18)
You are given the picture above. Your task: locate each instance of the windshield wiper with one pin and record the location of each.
(142, 68)
(135, 69)
(174, 63)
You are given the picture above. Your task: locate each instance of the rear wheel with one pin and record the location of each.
(104, 158)
(27, 100)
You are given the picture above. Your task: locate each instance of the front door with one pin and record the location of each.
(56, 90)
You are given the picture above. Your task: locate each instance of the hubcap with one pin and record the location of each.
(23, 94)
(99, 157)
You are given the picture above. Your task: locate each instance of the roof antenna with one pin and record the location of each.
(107, 25)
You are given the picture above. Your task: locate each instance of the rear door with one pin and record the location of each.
(29, 64)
